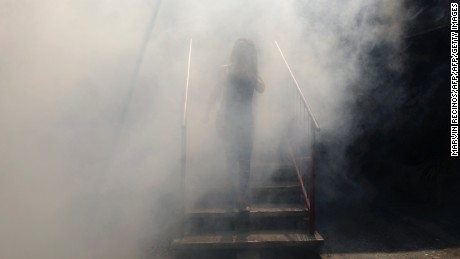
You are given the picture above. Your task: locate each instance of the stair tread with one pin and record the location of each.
(276, 162)
(256, 210)
(240, 239)
(261, 185)
(276, 185)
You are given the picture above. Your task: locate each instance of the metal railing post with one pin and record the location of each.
(182, 177)
(312, 219)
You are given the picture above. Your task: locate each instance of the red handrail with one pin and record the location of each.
(299, 177)
(184, 118)
(309, 197)
(184, 135)
(299, 91)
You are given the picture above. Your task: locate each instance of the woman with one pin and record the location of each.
(235, 119)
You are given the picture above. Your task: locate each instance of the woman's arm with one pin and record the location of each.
(260, 86)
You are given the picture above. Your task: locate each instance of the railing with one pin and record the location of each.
(184, 134)
(301, 137)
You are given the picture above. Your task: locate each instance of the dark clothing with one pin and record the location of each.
(235, 127)
(238, 96)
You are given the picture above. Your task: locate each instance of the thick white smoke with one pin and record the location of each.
(75, 180)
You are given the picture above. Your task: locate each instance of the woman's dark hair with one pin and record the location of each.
(243, 60)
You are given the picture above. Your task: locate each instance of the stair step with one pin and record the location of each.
(277, 174)
(284, 162)
(281, 186)
(249, 239)
(265, 185)
(256, 211)
(280, 164)
(262, 217)
(281, 192)
(271, 192)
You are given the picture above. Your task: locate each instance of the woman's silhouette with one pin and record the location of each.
(235, 118)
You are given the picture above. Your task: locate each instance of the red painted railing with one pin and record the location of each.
(184, 135)
(301, 138)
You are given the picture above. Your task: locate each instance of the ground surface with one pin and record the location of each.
(398, 231)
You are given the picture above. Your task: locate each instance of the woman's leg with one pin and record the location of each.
(243, 181)
(244, 166)
(232, 171)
